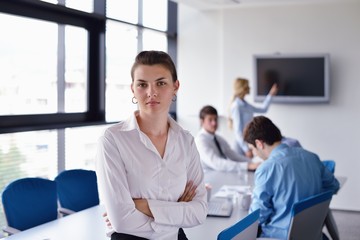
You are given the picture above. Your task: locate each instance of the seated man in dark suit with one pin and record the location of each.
(215, 152)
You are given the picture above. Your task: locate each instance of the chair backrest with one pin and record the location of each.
(77, 189)
(330, 164)
(308, 216)
(245, 229)
(29, 202)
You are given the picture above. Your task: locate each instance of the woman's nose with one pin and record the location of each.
(152, 92)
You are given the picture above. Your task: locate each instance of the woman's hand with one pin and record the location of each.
(274, 89)
(249, 154)
(253, 166)
(107, 221)
(142, 205)
(189, 192)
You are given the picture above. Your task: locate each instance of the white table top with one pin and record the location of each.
(213, 225)
(83, 225)
(89, 223)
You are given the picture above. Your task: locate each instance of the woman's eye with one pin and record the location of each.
(161, 83)
(142, 85)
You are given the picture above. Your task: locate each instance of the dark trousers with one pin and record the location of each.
(123, 236)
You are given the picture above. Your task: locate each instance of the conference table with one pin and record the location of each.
(214, 225)
(89, 223)
(84, 225)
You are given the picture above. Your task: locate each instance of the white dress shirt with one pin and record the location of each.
(129, 166)
(210, 155)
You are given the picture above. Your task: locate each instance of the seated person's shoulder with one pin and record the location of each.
(305, 151)
(291, 142)
(199, 136)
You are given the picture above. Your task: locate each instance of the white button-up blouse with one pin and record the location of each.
(129, 166)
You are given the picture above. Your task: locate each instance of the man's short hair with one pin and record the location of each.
(263, 129)
(207, 110)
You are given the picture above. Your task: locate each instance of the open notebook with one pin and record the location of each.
(220, 207)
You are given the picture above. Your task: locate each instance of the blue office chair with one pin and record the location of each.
(245, 229)
(77, 190)
(330, 164)
(308, 216)
(29, 202)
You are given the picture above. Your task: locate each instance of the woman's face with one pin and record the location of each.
(246, 88)
(154, 88)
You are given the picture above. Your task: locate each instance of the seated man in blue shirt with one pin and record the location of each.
(287, 175)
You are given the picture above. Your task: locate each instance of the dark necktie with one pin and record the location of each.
(219, 148)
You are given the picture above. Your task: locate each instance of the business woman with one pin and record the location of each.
(149, 172)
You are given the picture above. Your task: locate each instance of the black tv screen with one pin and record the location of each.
(299, 78)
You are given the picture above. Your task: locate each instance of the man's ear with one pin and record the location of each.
(259, 144)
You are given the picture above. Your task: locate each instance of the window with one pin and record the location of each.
(158, 20)
(76, 70)
(83, 5)
(80, 152)
(125, 10)
(23, 60)
(119, 58)
(59, 77)
(154, 40)
(29, 77)
(27, 154)
(59, 92)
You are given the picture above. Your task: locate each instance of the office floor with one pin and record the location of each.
(348, 223)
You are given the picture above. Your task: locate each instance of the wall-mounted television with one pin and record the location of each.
(300, 78)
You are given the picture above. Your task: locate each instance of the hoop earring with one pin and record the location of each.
(133, 100)
(174, 98)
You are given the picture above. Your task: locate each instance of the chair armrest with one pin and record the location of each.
(65, 211)
(10, 230)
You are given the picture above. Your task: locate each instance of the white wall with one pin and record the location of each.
(198, 59)
(216, 46)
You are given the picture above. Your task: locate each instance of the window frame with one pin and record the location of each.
(95, 24)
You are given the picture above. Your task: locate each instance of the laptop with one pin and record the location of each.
(220, 207)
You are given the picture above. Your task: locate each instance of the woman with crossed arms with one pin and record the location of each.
(149, 172)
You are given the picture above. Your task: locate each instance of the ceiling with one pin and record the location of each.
(223, 4)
